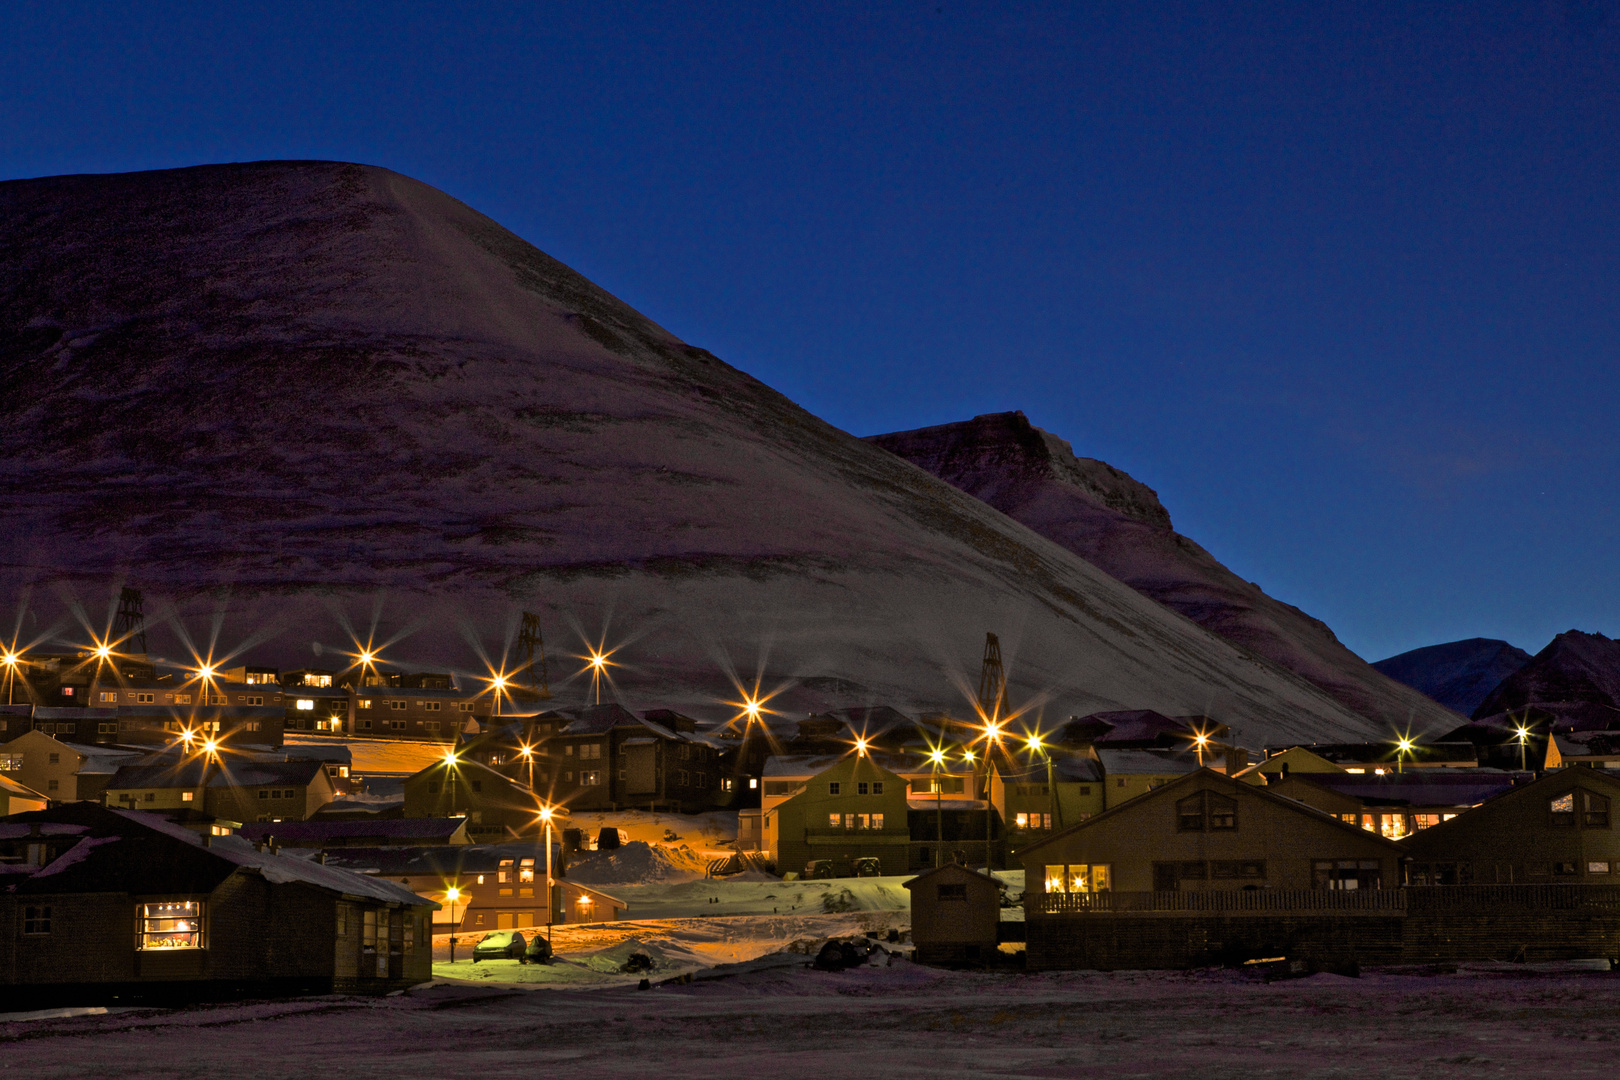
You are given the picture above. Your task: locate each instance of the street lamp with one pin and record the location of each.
(546, 814)
(1037, 746)
(937, 758)
(451, 895)
(1523, 738)
(10, 658)
(598, 662)
(1403, 746)
(528, 758)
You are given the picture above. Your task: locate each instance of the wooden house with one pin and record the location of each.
(123, 908)
(224, 785)
(849, 818)
(1564, 827)
(955, 913)
(495, 806)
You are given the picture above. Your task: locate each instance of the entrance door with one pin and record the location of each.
(1166, 877)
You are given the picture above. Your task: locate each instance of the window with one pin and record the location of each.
(145, 699)
(1562, 810)
(257, 699)
(1078, 878)
(55, 759)
(1206, 811)
(185, 796)
(51, 785)
(1564, 869)
(151, 796)
(590, 750)
(107, 729)
(466, 706)
(1238, 869)
(1424, 821)
(953, 892)
(1597, 868)
(430, 706)
(590, 778)
(10, 762)
(368, 931)
(526, 870)
(363, 703)
(1345, 874)
(503, 873)
(877, 821)
(832, 788)
(305, 704)
(681, 779)
(1596, 811)
(397, 706)
(37, 920)
(171, 926)
(180, 699)
(430, 725)
(835, 821)
(861, 788)
(396, 725)
(109, 695)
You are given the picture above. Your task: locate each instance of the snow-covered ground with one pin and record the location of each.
(786, 1021)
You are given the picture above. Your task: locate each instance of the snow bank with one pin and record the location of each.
(636, 863)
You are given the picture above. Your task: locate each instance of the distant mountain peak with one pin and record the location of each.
(1117, 523)
(1457, 674)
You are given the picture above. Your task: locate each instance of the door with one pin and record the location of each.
(1166, 877)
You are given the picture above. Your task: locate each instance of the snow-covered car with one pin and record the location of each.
(539, 950)
(501, 945)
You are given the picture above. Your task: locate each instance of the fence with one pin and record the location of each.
(1225, 900)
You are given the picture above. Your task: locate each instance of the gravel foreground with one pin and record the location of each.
(902, 1021)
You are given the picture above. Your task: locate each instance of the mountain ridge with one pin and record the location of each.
(275, 395)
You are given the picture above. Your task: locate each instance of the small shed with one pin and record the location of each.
(954, 912)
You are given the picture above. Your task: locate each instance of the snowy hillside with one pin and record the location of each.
(279, 393)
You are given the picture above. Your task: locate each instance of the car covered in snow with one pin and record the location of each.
(501, 945)
(539, 950)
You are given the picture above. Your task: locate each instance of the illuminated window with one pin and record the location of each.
(171, 926)
(835, 821)
(877, 821)
(1347, 874)
(187, 796)
(526, 870)
(1562, 810)
(1597, 868)
(591, 778)
(304, 703)
(363, 703)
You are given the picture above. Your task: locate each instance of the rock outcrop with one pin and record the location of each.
(1575, 679)
(1118, 525)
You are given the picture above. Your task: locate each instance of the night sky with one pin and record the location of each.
(1338, 280)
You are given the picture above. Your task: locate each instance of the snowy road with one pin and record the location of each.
(899, 1021)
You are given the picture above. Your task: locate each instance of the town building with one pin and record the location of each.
(1563, 827)
(15, 798)
(848, 819)
(495, 806)
(955, 916)
(1392, 804)
(496, 886)
(371, 833)
(608, 758)
(117, 907)
(223, 785)
(1129, 773)
(63, 772)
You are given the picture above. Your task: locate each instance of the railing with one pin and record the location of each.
(1224, 900)
(1545, 895)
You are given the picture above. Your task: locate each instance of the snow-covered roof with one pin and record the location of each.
(279, 868)
(1142, 763)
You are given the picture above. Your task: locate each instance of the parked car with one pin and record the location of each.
(818, 868)
(868, 867)
(501, 945)
(539, 951)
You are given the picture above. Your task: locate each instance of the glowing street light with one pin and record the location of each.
(10, 658)
(546, 814)
(1403, 746)
(860, 745)
(451, 895)
(1523, 734)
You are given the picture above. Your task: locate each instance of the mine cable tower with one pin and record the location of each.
(992, 680)
(131, 620)
(532, 656)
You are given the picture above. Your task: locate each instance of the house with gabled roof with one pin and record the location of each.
(118, 907)
(236, 787)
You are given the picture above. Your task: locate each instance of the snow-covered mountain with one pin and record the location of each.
(285, 390)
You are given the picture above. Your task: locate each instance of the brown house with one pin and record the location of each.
(1564, 827)
(63, 772)
(955, 913)
(120, 907)
(495, 806)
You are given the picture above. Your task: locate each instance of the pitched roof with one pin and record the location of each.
(953, 868)
(1427, 787)
(1170, 789)
(1142, 763)
(200, 772)
(383, 829)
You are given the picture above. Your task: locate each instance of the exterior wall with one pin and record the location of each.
(261, 938)
(57, 780)
(244, 804)
(415, 713)
(173, 798)
(1431, 925)
(1513, 838)
(1123, 787)
(805, 832)
(496, 808)
(954, 931)
(1133, 839)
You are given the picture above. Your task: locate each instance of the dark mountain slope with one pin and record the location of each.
(1458, 674)
(292, 389)
(1577, 675)
(1117, 524)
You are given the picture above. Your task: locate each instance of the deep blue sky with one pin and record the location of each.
(1339, 280)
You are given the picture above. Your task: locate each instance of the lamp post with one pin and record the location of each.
(1403, 746)
(1524, 738)
(451, 895)
(528, 757)
(10, 658)
(1036, 745)
(937, 758)
(992, 738)
(551, 905)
